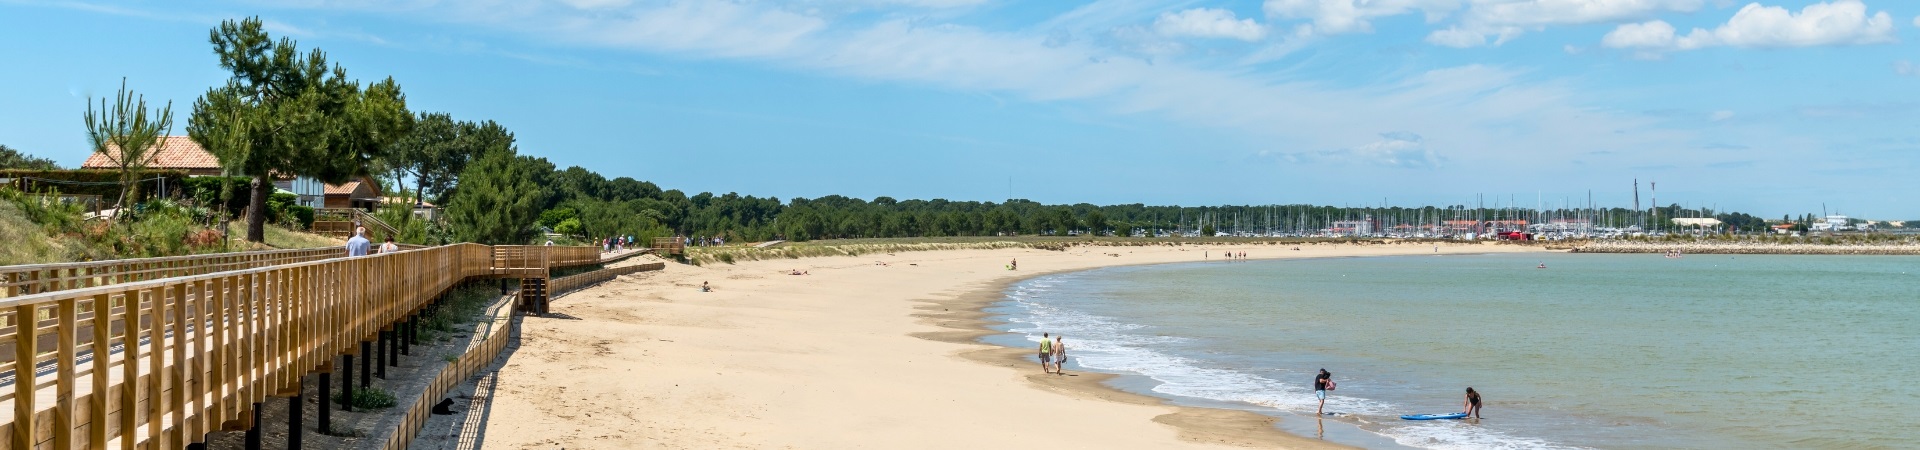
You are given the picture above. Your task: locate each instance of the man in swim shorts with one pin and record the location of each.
(1320, 389)
(1046, 353)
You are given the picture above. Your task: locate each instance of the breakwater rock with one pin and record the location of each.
(1750, 248)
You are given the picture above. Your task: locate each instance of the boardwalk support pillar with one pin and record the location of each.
(326, 402)
(253, 432)
(346, 385)
(366, 364)
(295, 407)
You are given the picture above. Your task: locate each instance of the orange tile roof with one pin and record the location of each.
(173, 152)
(350, 187)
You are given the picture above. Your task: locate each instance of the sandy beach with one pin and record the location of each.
(874, 351)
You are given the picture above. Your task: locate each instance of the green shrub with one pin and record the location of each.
(369, 398)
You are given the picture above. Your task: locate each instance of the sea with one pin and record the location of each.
(1592, 351)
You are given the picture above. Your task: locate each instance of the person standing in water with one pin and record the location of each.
(1046, 353)
(1320, 386)
(1059, 355)
(1473, 403)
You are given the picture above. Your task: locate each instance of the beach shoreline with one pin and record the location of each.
(872, 351)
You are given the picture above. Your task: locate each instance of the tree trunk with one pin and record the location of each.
(257, 210)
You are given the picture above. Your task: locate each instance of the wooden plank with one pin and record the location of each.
(102, 357)
(177, 377)
(24, 343)
(67, 329)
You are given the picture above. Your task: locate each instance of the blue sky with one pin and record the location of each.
(1773, 107)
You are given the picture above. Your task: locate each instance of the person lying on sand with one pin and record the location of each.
(796, 272)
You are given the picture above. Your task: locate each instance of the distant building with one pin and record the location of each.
(363, 193)
(1483, 226)
(1361, 227)
(1703, 222)
(1831, 223)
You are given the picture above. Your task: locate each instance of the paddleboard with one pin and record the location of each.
(1458, 415)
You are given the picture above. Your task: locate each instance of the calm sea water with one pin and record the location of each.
(1607, 351)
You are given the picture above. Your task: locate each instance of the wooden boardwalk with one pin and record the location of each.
(192, 345)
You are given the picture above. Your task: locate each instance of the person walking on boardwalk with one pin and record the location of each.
(1046, 353)
(1322, 384)
(358, 245)
(1059, 355)
(389, 247)
(1473, 403)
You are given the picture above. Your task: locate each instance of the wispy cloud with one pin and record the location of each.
(1841, 22)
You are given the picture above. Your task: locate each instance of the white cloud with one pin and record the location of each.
(1478, 111)
(1402, 150)
(1457, 38)
(1906, 68)
(1208, 23)
(1720, 115)
(1916, 21)
(1841, 22)
(1352, 16)
(1505, 20)
(1653, 33)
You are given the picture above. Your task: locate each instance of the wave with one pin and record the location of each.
(1107, 344)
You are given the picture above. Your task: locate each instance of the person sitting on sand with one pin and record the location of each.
(1059, 355)
(704, 287)
(1473, 403)
(1046, 353)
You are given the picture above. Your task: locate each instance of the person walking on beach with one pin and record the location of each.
(1015, 265)
(1322, 384)
(1473, 403)
(1059, 355)
(358, 245)
(1046, 353)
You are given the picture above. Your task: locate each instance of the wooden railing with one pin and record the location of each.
(328, 221)
(37, 278)
(157, 363)
(563, 285)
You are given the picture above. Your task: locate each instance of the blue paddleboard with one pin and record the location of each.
(1458, 415)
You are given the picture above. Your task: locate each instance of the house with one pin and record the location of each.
(362, 194)
(422, 209)
(181, 153)
(171, 153)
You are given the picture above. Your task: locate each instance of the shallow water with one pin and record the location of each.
(1706, 351)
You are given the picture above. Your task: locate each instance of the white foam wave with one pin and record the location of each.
(1104, 343)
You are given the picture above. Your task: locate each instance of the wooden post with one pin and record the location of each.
(102, 355)
(63, 397)
(24, 379)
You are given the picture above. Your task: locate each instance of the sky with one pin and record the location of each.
(1772, 107)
